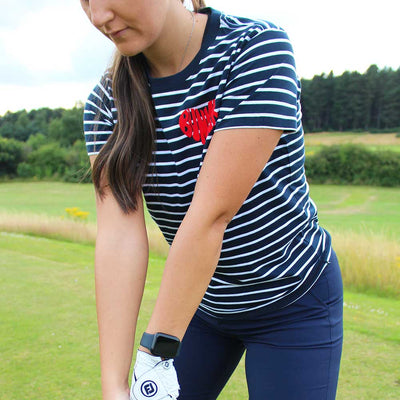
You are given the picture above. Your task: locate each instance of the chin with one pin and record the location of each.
(127, 52)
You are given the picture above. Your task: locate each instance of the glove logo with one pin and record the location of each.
(149, 389)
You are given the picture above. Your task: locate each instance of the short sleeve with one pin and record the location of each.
(262, 89)
(99, 116)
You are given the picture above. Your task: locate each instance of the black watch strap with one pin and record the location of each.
(147, 340)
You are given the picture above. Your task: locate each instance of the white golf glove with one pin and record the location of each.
(153, 378)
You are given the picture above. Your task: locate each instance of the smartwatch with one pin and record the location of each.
(161, 344)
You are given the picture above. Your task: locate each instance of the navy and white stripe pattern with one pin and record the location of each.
(244, 76)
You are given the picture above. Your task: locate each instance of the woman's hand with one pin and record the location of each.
(154, 377)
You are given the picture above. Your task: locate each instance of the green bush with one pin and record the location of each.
(24, 170)
(36, 141)
(44, 159)
(68, 128)
(78, 165)
(11, 154)
(354, 164)
(48, 161)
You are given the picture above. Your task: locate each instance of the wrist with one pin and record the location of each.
(115, 393)
(113, 390)
(145, 350)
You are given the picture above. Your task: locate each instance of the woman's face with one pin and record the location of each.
(133, 25)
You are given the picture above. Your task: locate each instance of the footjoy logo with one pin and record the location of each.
(198, 123)
(148, 389)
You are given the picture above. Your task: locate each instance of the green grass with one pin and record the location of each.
(354, 208)
(50, 198)
(364, 223)
(358, 208)
(48, 331)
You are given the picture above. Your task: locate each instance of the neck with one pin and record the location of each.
(178, 44)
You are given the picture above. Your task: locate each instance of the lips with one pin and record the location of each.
(117, 34)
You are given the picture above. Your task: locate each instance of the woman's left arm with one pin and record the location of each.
(234, 161)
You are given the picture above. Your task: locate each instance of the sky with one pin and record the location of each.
(51, 56)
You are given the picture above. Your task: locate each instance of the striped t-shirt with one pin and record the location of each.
(243, 76)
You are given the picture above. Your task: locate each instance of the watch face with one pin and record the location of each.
(166, 346)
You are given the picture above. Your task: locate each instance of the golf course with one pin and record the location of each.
(48, 330)
(250, 144)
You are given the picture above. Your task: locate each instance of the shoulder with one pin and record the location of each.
(247, 29)
(239, 22)
(101, 95)
(101, 98)
(253, 37)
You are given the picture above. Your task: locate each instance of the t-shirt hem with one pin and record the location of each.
(285, 301)
(276, 128)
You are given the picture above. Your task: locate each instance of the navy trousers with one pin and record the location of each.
(291, 354)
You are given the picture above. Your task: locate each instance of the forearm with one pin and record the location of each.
(222, 187)
(120, 272)
(190, 265)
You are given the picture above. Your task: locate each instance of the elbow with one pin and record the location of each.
(209, 221)
(223, 219)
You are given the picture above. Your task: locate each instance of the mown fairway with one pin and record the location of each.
(359, 208)
(47, 198)
(48, 329)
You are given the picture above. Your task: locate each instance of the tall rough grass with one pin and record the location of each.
(369, 261)
(331, 138)
(68, 229)
(50, 227)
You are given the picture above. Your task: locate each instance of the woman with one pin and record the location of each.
(200, 112)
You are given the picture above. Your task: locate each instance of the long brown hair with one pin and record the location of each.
(124, 160)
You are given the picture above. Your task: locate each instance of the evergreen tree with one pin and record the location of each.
(352, 101)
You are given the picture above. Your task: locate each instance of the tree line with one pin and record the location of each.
(352, 101)
(45, 144)
(49, 143)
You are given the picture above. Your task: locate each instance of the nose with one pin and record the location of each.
(100, 13)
